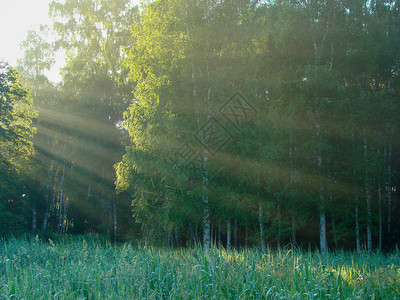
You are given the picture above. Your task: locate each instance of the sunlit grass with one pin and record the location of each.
(90, 269)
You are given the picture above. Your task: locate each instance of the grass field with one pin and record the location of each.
(89, 269)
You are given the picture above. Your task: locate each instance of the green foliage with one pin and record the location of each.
(15, 120)
(38, 56)
(314, 148)
(311, 72)
(37, 270)
(79, 137)
(16, 148)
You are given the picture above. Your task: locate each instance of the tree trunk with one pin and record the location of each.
(367, 196)
(293, 231)
(34, 216)
(106, 213)
(46, 216)
(334, 230)
(207, 105)
(228, 235)
(380, 217)
(322, 231)
(206, 220)
(369, 214)
(318, 50)
(235, 237)
(176, 235)
(279, 221)
(60, 204)
(389, 187)
(333, 219)
(215, 242)
(261, 225)
(169, 240)
(358, 245)
(292, 177)
(63, 221)
(115, 219)
(322, 218)
(46, 213)
(196, 234)
(246, 241)
(211, 236)
(53, 201)
(60, 201)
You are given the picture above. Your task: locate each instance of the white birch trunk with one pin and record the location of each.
(322, 218)
(356, 213)
(369, 214)
(292, 176)
(228, 235)
(206, 200)
(206, 210)
(322, 231)
(317, 59)
(389, 194)
(367, 197)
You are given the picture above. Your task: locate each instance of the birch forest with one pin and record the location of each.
(212, 123)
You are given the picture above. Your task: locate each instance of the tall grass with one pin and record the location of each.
(89, 269)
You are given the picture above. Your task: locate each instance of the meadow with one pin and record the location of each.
(87, 268)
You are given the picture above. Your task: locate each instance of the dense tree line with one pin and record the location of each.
(273, 120)
(244, 123)
(15, 148)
